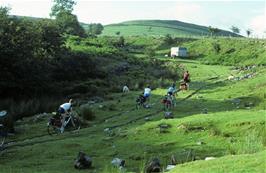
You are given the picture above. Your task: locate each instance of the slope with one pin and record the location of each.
(228, 128)
(159, 28)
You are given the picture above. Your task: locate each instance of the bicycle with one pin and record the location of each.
(169, 101)
(71, 123)
(140, 102)
(3, 135)
(3, 130)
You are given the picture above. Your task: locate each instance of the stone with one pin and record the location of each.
(119, 163)
(147, 119)
(153, 166)
(200, 143)
(210, 158)
(168, 115)
(170, 167)
(83, 161)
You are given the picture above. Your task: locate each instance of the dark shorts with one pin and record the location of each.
(61, 110)
(170, 93)
(186, 80)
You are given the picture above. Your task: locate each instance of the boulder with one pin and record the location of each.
(153, 166)
(210, 158)
(119, 163)
(168, 115)
(83, 161)
(170, 167)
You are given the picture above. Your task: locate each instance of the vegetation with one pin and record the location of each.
(228, 51)
(162, 28)
(235, 29)
(233, 135)
(43, 62)
(94, 29)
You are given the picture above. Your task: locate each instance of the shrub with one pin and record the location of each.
(25, 108)
(216, 47)
(8, 122)
(86, 113)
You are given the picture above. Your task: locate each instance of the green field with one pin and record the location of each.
(159, 28)
(232, 132)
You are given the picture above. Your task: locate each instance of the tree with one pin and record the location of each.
(62, 5)
(168, 39)
(248, 31)
(95, 29)
(235, 29)
(69, 24)
(121, 41)
(150, 52)
(213, 31)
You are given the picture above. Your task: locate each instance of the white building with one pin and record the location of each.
(178, 51)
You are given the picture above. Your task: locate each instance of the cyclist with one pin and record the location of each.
(186, 79)
(64, 110)
(147, 92)
(171, 90)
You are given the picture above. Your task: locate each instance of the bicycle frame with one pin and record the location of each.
(2, 135)
(59, 127)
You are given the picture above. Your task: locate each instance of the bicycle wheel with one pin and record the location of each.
(52, 130)
(137, 106)
(2, 141)
(72, 124)
(3, 135)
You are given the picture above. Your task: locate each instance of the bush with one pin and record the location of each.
(216, 47)
(8, 122)
(86, 113)
(25, 108)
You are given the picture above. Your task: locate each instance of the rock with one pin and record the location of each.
(106, 129)
(119, 163)
(236, 101)
(168, 115)
(205, 111)
(147, 119)
(83, 161)
(170, 167)
(164, 126)
(200, 143)
(210, 158)
(153, 166)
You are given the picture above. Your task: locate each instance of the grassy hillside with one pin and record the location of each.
(249, 163)
(229, 128)
(228, 51)
(159, 28)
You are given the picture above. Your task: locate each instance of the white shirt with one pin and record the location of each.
(66, 106)
(171, 89)
(147, 91)
(125, 89)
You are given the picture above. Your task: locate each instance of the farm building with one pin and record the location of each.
(178, 51)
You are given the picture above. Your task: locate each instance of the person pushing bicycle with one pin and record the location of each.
(64, 110)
